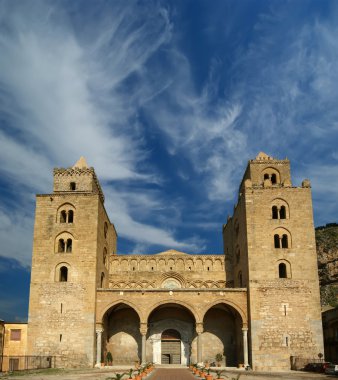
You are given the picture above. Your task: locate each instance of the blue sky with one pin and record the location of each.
(167, 100)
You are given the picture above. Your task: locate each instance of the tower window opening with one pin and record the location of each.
(152, 268)
(285, 310)
(286, 341)
(171, 268)
(276, 241)
(266, 176)
(133, 268)
(282, 212)
(189, 268)
(285, 241)
(273, 178)
(63, 274)
(60, 337)
(240, 279)
(282, 274)
(72, 186)
(61, 245)
(69, 245)
(102, 280)
(274, 212)
(61, 308)
(105, 230)
(63, 216)
(70, 216)
(208, 268)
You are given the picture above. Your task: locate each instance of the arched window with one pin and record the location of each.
(70, 216)
(61, 245)
(266, 176)
(274, 212)
(282, 212)
(240, 279)
(102, 280)
(105, 257)
(105, 230)
(65, 213)
(273, 178)
(63, 216)
(282, 270)
(72, 186)
(69, 245)
(63, 276)
(285, 241)
(276, 241)
(238, 255)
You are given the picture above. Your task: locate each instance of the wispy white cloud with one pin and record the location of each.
(63, 94)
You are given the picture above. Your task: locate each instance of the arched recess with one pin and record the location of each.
(283, 269)
(163, 281)
(64, 243)
(271, 174)
(121, 334)
(170, 315)
(65, 213)
(281, 238)
(280, 209)
(222, 333)
(60, 272)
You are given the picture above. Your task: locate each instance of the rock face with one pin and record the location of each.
(327, 251)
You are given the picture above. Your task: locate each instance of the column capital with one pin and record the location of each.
(199, 328)
(143, 328)
(99, 330)
(245, 328)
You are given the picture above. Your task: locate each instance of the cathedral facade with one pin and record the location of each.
(257, 303)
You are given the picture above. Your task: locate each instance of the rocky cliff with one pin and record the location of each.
(327, 251)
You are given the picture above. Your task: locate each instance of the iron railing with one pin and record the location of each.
(25, 362)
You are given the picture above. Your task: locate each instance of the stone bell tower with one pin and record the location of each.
(271, 241)
(72, 240)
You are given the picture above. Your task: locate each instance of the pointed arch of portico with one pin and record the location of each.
(118, 302)
(236, 307)
(177, 302)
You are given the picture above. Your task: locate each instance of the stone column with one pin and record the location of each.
(99, 332)
(143, 331)
(199, 330)
(245, 346)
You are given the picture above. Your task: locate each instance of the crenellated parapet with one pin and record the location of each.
(78, 179)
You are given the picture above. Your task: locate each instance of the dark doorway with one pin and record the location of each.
(170, 347)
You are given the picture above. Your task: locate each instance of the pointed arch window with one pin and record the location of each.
(274, 212)
(105, 230)
(64, 243)
(285, 241)
(276, 241)
(102, 280)
(282, 212)
(69, 245)
(63, 216)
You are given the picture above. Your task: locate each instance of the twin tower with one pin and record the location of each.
(257, 304)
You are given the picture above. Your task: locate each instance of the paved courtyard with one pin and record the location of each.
(158, 374)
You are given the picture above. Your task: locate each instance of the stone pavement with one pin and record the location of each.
(160, 374)
(172, 374)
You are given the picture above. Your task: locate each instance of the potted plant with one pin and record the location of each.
(109, 358)
(218, 374)
(208, 376)
(138, 375)
(130, 374)
(118, 376)
(219, 358)
(202, 373)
